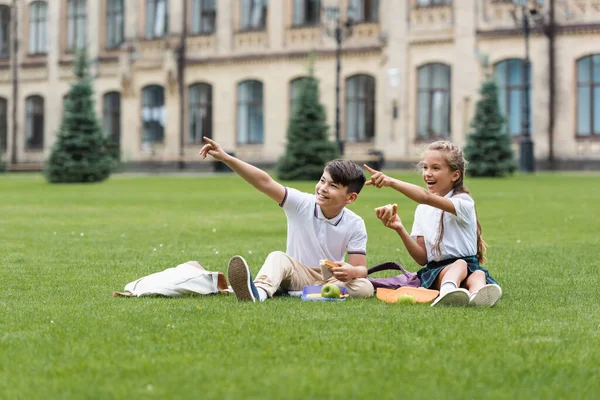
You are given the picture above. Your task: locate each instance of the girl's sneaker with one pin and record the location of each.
(487, 296)
(455, 297)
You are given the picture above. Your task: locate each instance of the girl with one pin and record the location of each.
(446, 235)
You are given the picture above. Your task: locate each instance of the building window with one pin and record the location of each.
(295, 87)
(4, 31)
(250, 113)
(111, 112)
(76, 25)
(153, 114)
(38, 27)
(428, 3)
(511, 93)
(115, 19)
(254, 15)
(3, 124)
(363, 10)
(588, 95)
(157, 18)
(204, 16)
(433, 101)
(360, 108)
(34, 124)
(200, 116)
(306, 12)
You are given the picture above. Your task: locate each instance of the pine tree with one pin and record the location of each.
(308, 147)
(79, 153)
(489, 147)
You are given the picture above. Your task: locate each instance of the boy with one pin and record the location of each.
(319, 227)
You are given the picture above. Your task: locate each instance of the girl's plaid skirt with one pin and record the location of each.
(430, 272)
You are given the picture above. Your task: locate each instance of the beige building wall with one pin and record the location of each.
(406, 37)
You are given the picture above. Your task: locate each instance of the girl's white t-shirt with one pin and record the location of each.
(460, 230)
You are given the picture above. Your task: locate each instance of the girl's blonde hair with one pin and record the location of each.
(456, 162)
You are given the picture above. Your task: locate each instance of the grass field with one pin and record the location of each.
(64, 249)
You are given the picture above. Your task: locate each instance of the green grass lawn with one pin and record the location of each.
(65, 248)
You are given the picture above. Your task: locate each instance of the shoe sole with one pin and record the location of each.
(487, 296)
(457, 298)
(239, 279)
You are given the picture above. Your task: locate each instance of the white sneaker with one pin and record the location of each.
(455, 297)
(487, 296)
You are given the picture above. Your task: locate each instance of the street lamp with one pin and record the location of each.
(526, 158)
(339, 31)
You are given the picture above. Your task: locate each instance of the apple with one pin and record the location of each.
(330, 291)
(406, 299)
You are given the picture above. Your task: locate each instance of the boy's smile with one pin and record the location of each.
(331, 196)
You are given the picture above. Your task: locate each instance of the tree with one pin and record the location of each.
(489, 146)
(80, 152)
(308, 146)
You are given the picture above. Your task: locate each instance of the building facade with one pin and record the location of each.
(410, 73)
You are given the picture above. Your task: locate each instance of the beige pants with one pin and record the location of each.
(280, 270)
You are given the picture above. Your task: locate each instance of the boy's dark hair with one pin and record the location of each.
(346, 173)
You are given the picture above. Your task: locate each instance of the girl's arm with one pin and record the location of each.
(416, 249)
(413, 192)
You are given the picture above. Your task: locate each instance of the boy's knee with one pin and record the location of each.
(360, 287)
(279, 259)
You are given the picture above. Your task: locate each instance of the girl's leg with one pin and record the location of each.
(448, 282)
(475, 281)
(455, 273)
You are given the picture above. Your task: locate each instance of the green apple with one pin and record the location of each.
(406, 299)
(330, 291)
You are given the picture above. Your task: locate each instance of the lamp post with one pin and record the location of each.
(526, 158)
(339, 31)
(180, 58)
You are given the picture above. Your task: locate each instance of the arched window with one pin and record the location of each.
(111, 114)
(295, 87)
(250, 112)
(76, 25)
(588, 95)
(360, 108)
(510, 78)
(200, 115)
(38, 27)
(157, 18)
(433, 103)
(34, 123)
(3, 124)
(153, 114)
(204, 16)
(306, 12)
(4, 31)
(115, 18)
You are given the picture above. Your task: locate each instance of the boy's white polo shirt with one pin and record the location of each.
(460, 230)
(311, 237)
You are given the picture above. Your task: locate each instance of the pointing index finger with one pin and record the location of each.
(371, 170)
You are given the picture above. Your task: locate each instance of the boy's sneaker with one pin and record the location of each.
(487, 296)
(240, 280)
(455, 297)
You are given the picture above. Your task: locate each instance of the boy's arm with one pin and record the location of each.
(353, 269)
(413, 192)
(254, 176)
